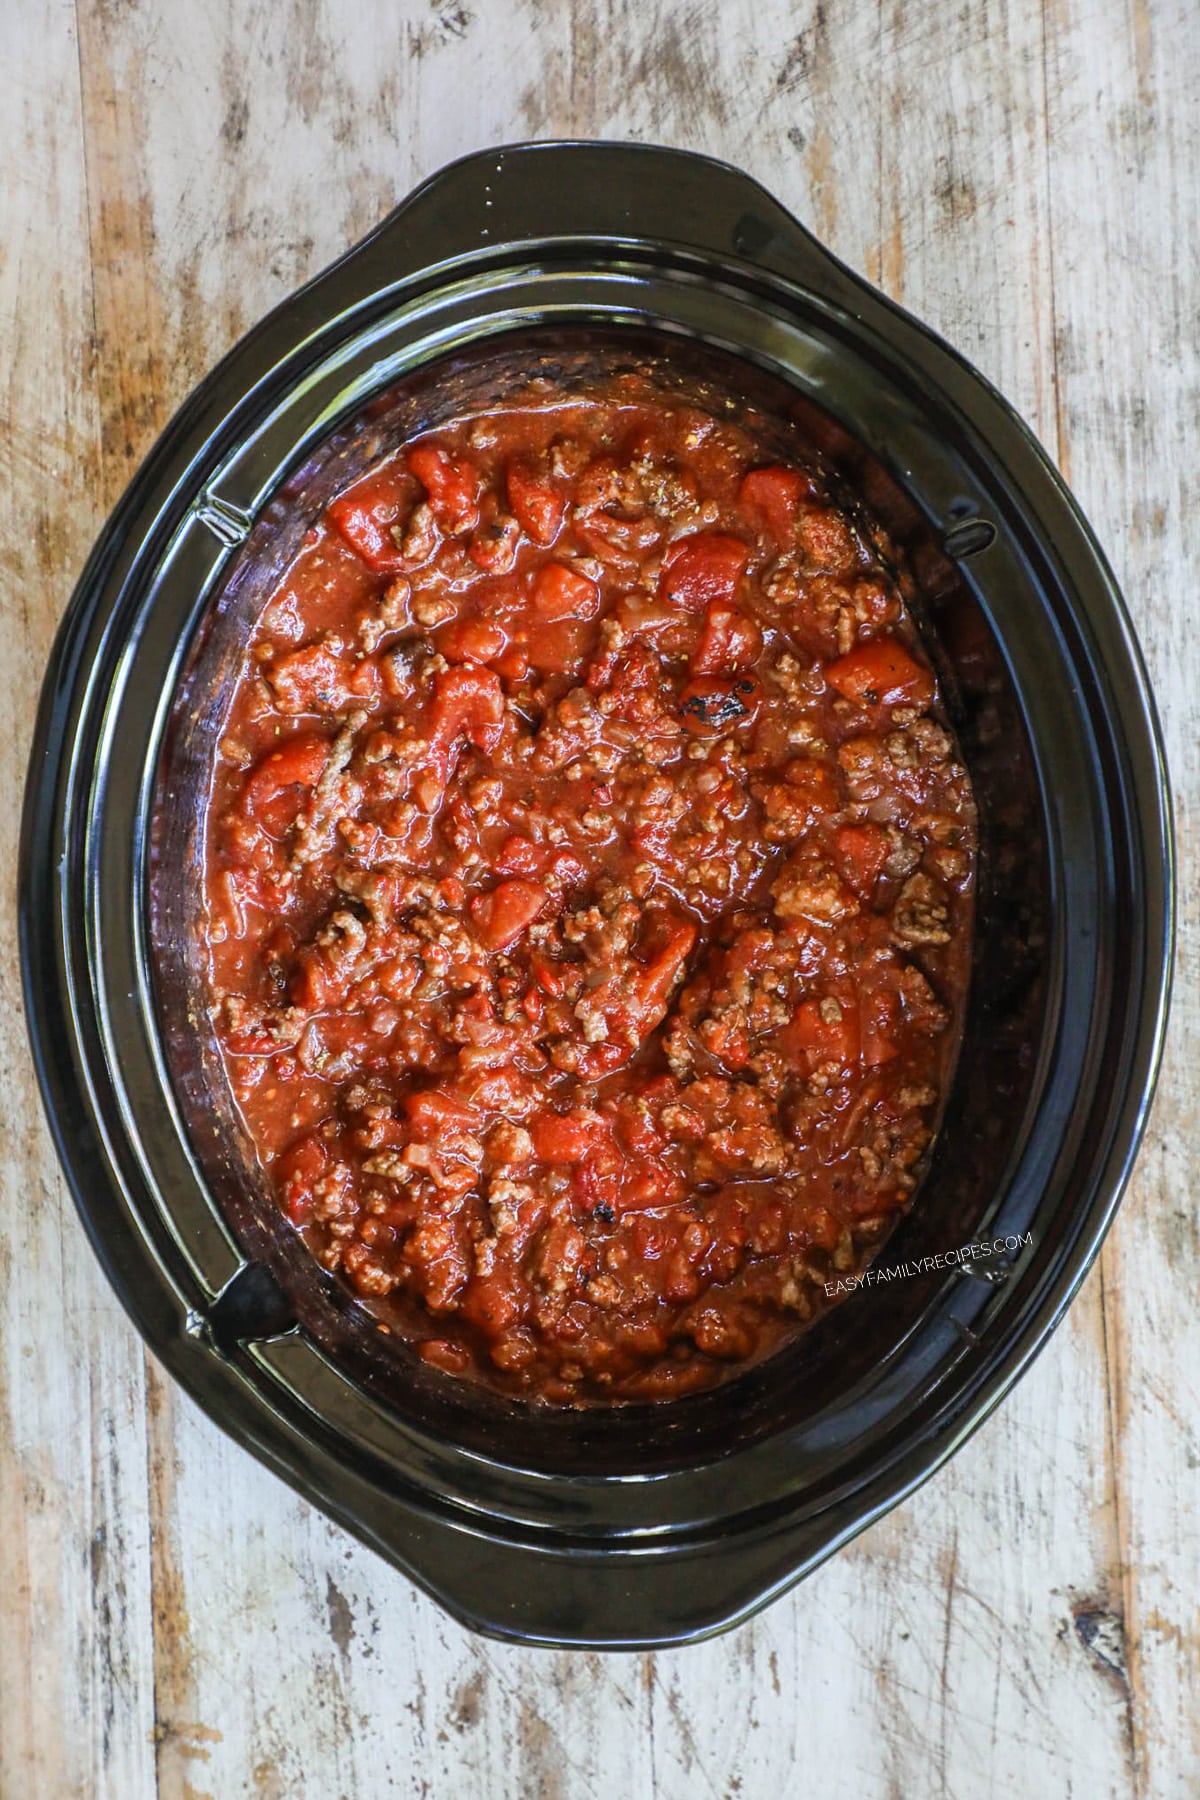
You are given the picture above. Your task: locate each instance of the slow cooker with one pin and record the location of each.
(615, 1526)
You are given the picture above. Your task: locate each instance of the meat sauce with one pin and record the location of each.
(588, 893)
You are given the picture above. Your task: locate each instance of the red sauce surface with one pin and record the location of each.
(589, 894)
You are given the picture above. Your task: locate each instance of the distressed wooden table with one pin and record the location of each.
(1025, 175)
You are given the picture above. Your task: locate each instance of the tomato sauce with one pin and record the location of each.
(588, 898)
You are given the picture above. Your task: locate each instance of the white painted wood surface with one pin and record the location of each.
(1026, 176)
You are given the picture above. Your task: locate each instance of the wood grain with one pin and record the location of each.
(173, 1622)
(76, 1651)
(1121, 87)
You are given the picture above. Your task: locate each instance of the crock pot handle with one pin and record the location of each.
(605, 192)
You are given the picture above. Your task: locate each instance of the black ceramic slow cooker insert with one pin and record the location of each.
(620, 1526)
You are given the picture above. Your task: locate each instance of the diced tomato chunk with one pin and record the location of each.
(316, 981)
(637, 1131)
(443, 1354)
(438, 1109)
(517, 856)
(296, 1171)
(729, 641)
(773, 495)
(470, 701)
(311, 679)
(881, 673)
(713, 703)
(704, 567)
(562, 593)
(566, 869)
(367, 513)
(489, 1303)
(824, 1031)
(626, 673)
(537, 507)
(566, 1137)
(532, 1005)
(501, 916)
(452, 484)
(659, 975)
(640, 1186)
(550, 975)
(860, 852)
(471, 640)
(512, 664)
(305, 1159)
(268, 797)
